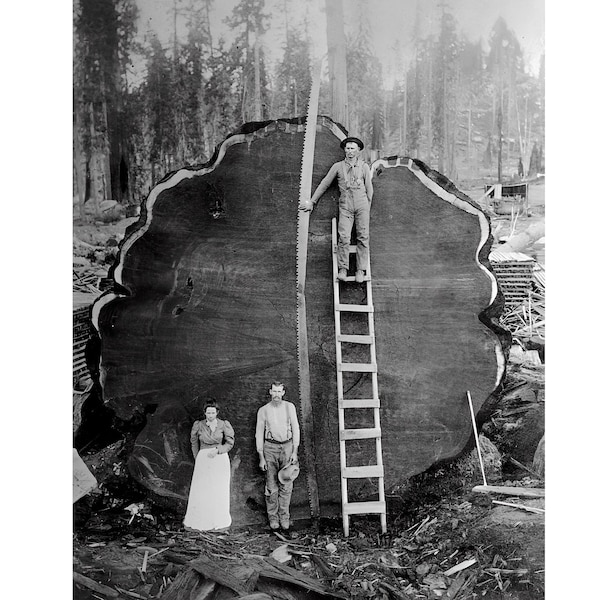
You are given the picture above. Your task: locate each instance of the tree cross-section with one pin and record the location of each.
(208, 308)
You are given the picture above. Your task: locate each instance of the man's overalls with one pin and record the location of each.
(354, 207)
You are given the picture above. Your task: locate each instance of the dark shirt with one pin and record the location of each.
(202, 437)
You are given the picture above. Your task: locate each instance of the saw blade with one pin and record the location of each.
(308, 154)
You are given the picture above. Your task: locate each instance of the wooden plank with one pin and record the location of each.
(511, 491)
(363, 472)
(360, 434)
(364, 508)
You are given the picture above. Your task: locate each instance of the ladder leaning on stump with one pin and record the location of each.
(345, 435)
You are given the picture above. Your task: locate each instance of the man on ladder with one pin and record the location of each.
(356, 193)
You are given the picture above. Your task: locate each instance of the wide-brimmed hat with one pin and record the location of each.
(352, 139)
(289, 472)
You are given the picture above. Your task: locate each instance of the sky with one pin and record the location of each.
(391, 22)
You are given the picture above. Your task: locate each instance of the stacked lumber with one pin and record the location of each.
(514, 271)
(82, 328)
(523, 284)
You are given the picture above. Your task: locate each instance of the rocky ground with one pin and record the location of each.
(444, 539)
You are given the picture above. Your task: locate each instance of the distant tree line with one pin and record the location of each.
(466, 112)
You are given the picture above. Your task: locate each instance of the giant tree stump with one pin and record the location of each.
(208, 308)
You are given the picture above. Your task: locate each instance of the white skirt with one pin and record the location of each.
(208, 503)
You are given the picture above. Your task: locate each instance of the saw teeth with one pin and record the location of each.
(303, 217)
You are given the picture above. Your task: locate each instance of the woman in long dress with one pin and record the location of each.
(208, 502)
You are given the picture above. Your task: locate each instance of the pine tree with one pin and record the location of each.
(293, 77)
(249, 17)
(104, 31)
(365, 86)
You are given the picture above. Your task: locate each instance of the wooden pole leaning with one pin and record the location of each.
(476, 437)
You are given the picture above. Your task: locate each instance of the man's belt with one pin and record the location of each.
(277, 441)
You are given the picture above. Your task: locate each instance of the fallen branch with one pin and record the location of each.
(516, 462)
(511, 491)
(533, 509)
(94, 585)
(494, 571)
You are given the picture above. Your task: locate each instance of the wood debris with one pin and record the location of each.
(511, 491)
(533, 509)
(94, 585)
(522, 281)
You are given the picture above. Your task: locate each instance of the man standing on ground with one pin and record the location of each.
(356, 192)
(277, 442)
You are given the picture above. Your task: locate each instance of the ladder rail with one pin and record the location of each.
(367, 471)
(339, 373)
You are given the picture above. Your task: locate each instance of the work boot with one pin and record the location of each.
(274, 524)
(360, 276)
(343, 274)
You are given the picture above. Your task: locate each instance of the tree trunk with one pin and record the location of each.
(99, 159)
(405, 115)
(469, 133)
(80, 161)
(429, 119)
(336, 56)
(211, 310)
(500, 141)
(257, 100)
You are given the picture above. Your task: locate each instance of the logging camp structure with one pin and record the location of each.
(206, 302)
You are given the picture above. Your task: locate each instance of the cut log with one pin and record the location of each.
(511, 491)
(207, 308)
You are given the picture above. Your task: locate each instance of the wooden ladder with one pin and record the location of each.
(366, 471)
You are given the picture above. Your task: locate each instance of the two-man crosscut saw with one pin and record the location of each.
(308, 155)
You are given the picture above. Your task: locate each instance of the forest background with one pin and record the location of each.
(158, 85)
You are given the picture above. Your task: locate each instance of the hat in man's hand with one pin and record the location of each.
(352, 139)
(289, 472)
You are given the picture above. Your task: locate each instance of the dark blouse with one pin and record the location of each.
(202, 437)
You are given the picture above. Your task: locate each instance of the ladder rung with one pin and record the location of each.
(354, 308)
(363, 472)
(353, 278)
(360, 434)
(358, 367)
(363, 508)
(359, 403)
(356, 339)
